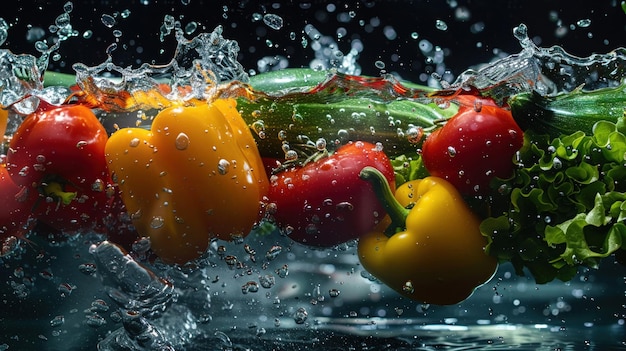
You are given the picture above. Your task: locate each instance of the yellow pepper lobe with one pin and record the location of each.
(4, 118)
(194, 176)
(439, 257)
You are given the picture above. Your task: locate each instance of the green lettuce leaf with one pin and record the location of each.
(565, 207)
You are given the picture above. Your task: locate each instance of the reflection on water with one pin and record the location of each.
(59, 297)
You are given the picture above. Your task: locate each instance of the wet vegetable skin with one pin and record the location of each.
(433, 251)
(325, 203)
(473, 147)
(194, 176)
(57, 157)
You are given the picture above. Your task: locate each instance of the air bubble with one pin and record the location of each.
(267, 281)
(57, 321)
(157, 222)
(414, 134)
(300, 316)
(291, 155)
(273, 252)
(320, 144)
(282, 135)
(250, 286)
(583, 23)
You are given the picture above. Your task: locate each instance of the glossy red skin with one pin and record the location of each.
(325, 203)
(15, 216)
(473, 147)
(63, 144)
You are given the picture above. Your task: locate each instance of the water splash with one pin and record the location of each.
(199, 70)
(548, 71)
(21, 75)
(132, 286)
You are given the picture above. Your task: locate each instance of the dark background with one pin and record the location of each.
(463, 48)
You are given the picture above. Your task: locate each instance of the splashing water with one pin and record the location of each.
(159, 314)
(547, 71)
(198, 71)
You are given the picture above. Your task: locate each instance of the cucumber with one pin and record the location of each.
(567, 113)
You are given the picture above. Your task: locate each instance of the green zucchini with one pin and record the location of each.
(567, 113)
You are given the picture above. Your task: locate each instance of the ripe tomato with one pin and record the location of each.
(57, 157)
(473, 147)
(325, 203)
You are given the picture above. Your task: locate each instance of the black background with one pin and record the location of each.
(140, 31)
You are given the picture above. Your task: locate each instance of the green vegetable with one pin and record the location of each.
(298, 106)
(566, 204)
(569, 112)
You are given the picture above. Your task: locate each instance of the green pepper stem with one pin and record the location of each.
(381, 186)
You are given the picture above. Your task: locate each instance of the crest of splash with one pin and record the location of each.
(198, 71)
(21, 75)
(547, 71)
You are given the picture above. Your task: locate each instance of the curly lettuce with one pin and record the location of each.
(565, 207)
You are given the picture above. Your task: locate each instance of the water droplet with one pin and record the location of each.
(283, 271)
(134, 142)
(583, 23)
(414, 134)
(95, 320)
(87, 268)
(333, 292)
(300, 316)
(66, 289)
(250, 286)
(157, 222)
(310, 229)
(408, 287)
(57, 321)
(267, 281)
(320, 144)
(291, 155)
(273, 21)
(108, 20)
(191, 27)
(462, 13)
(451, 151)
(223, 166)
(282, 135)
(68, 7)
(182, 141)
(273, 252)
(441, 25)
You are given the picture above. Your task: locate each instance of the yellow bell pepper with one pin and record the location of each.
(195, 175)
(4, 118)
(433, 251)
